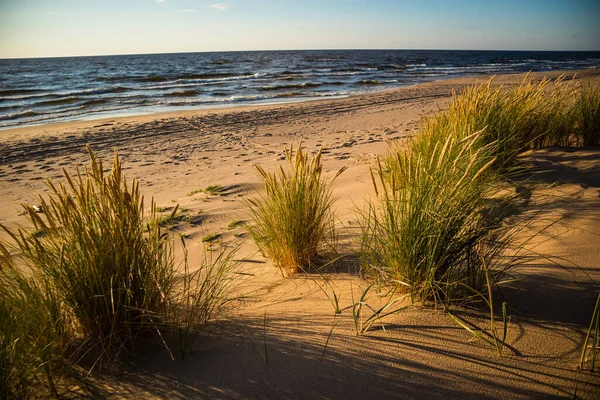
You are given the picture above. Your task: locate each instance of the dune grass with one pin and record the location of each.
(99, 280)
(434, 221)
(443, 197)
(213, 190)
(531, 115)
(110, 268)
(293, 220)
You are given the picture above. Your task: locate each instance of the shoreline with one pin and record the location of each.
(54, 128)
(126, 113)
(96, 118)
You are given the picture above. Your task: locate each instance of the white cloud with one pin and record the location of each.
(219, 6)
(188, 11)
(160, 1)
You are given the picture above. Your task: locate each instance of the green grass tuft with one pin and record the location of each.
(434, 220)
(211, 237)
(439, 217)
(214, 189)
(193, 192)
(293, 220)
(234, 224)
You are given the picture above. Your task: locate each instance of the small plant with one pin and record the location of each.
(37, 233)
(362, 321)
(293, 219)
(211, 237)
(176, 217)
(213, 190)
(234, 224)
(193, 192)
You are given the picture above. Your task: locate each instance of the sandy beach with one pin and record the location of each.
(421, 353)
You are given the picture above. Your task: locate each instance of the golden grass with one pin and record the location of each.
(293, 220)
(100, 279)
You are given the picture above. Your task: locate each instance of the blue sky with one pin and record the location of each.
(44, 28)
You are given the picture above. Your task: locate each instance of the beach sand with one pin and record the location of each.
(422, 353)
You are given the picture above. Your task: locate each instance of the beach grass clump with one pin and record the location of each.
(434, 224)
(98, 280)
(193, 192)
(531, 115)
(211, 237)
(109, 268)
(293, 219)
(176, 217)
(234, 224)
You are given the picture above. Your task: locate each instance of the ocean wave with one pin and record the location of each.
(220, 62)
(354, 69)
(73, 93)
(183, 93)
(59, 101)
(95, 102)
(290, 94)
(288, 77)
(16, 92)
(293, 86)
(20, 114)
(290, 72)
(161, 78)
(346, 73)
(190, 81)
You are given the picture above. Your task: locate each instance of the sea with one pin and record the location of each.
(44, 90)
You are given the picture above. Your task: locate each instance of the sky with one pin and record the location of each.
(51, 28)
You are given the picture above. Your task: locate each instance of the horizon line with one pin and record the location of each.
(283, 50)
